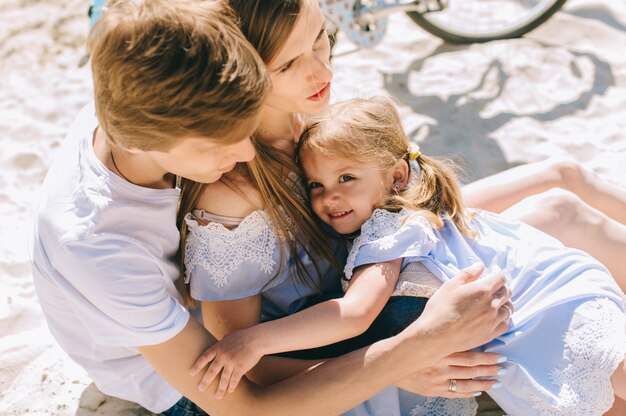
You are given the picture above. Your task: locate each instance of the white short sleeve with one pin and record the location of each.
(119, 291)
(388, 236)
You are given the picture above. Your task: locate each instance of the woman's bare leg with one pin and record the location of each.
(566, 217)
(565, 200)
(574, 205)
(503, 190)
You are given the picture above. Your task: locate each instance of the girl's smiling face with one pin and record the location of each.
(344, 194)
(301, 72)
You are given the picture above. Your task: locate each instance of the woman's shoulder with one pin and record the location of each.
(232, 199)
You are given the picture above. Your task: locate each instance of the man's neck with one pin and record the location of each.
(137, 167)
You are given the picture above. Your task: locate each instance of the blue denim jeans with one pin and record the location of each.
(184, 407)
(398, 313)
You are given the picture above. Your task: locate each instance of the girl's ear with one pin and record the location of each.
(400, 174)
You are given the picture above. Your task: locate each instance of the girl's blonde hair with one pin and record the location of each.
(370, 132)
(267, 25)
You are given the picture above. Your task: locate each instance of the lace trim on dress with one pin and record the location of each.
(220, 251)
(416, 280)
(593, 351)
(380, 230)
(440, 406)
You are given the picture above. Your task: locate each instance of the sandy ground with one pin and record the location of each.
(559, 91)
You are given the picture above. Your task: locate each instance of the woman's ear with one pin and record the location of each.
(400, 174)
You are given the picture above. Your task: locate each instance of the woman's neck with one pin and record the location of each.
(279, 128)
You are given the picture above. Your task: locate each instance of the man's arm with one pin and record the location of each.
(462, 315)
(173, 358)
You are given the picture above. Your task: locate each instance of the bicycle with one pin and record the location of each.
(458, 21)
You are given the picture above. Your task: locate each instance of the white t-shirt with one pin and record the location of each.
(104, 271)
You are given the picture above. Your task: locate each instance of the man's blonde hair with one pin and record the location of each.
(164, 70)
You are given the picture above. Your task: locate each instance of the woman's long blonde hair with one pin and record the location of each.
(369, 131)
(267, 25)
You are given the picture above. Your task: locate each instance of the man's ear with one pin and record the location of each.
(400, 174)
(132, 150)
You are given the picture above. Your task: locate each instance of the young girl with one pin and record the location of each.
(567, 338)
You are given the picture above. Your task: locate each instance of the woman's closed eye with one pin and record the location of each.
(286, 67)
(318, 42)
(320, 38)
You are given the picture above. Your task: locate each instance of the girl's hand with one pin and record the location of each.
(460, 366)
(234, 356)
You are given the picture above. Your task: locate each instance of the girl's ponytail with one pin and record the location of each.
(436, 190)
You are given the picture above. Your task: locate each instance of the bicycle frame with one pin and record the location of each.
(365, 21)
(367, 12)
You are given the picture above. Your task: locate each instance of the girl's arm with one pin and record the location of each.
(224, 317)
(322, 324)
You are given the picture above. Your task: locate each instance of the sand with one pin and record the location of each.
(559, 91)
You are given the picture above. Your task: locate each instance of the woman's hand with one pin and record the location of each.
(461, 367)
(234, 356)
(466, 312)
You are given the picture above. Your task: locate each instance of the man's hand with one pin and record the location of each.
(466, 312)
(460, 366)
(234, 356)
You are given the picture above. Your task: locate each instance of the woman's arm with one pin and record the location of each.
(221, 318)
(321, 324)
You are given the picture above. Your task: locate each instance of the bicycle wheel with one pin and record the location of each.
(474, 21)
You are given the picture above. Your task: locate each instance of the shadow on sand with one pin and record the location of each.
(471, 138)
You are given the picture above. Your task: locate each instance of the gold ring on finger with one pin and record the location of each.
(452, 385)
(509, 310)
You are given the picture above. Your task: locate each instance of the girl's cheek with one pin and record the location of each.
(316, 206)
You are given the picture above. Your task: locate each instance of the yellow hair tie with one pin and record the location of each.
(414, 151)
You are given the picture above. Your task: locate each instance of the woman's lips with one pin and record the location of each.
(320, 95)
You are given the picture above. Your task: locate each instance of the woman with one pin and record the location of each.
(256, 205)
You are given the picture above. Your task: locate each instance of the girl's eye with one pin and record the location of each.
(315, 185)
(345, 178)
